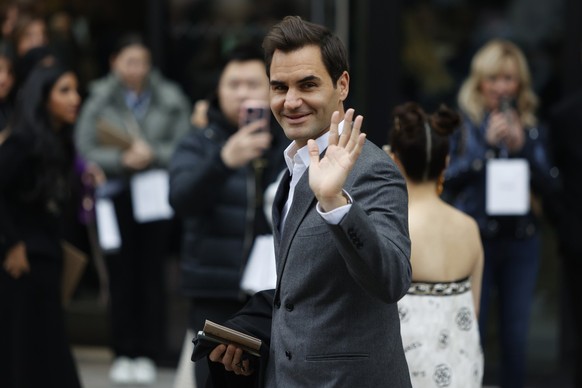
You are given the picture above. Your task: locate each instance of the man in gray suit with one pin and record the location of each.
(341, 236)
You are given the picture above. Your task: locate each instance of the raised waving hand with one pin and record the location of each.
(328, 175)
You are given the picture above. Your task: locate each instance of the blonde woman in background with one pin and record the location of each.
(500, 125)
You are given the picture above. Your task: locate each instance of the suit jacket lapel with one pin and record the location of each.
(303, 198)
(278, 203)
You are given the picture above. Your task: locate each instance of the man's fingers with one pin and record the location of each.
(313, 152)
(237, 364)
(333, 128)
(226, 355)
(246, 368)
(216, 354)
(347, 129)
(355, 135)
(228, 358)
(360, 144)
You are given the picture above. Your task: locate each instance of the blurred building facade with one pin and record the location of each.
(399, 50)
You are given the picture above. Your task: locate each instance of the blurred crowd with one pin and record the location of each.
(134, 158)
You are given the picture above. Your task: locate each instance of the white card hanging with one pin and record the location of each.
(507, 187)
(260, 272)
(107, 226)
(149, 195)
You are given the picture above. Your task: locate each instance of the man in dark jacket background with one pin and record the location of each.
(217, 177)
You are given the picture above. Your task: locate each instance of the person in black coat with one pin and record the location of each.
(217, 177)
(566, 209)
(36, 168)
(7, 81)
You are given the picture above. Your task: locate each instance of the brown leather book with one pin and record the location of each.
(110, 135)
(221, 334)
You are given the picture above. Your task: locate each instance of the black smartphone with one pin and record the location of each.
(253, 110)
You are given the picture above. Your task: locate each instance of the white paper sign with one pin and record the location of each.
(260, 272)
(149, 194)
(107, 226)
(507, 187)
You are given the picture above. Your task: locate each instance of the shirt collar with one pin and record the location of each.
(294, 155)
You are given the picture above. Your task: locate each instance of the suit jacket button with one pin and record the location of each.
(277, 303)
(289, 307)
(288, 355)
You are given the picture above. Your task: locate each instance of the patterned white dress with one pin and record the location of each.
(440, 335)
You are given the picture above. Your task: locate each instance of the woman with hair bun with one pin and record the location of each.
(439, 313)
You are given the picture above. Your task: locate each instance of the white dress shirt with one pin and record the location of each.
(297, 162)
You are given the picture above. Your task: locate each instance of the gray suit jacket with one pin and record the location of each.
(335, 318)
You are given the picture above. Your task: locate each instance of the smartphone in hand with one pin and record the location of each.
(253, 110)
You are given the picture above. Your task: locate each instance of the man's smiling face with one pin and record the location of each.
(303, 95)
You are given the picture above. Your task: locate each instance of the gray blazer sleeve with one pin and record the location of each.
(373, 238)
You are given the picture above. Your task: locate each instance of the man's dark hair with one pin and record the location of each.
(127, 39)
(243, 52)
(293, 33)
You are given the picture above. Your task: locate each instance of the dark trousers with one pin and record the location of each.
(216, 310)
(511, 270)
(136, 282)
(34, 349)
(572, 264)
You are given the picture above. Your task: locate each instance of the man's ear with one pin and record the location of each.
(447, 160)
(343, 84)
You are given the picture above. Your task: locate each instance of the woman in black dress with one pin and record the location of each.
(36, 167)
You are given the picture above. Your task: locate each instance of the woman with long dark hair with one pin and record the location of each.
(36, 167)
